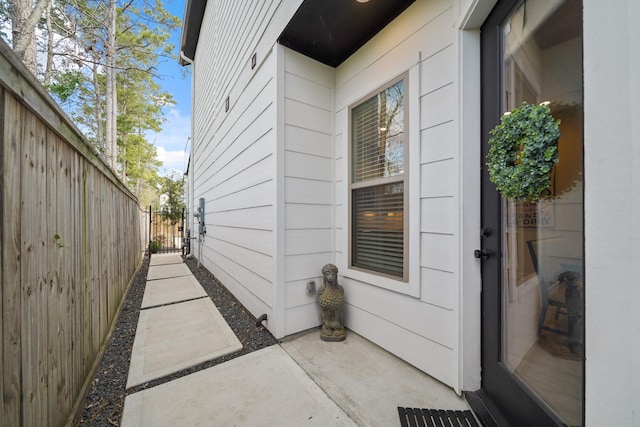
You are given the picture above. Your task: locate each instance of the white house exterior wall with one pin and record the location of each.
(612, 212)
(237, 183)
(233, 158)
(417, 321)
(308, 183)
(273, 171)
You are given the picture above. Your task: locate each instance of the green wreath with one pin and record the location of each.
(522, 151)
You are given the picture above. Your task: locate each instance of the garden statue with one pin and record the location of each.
(331, 298)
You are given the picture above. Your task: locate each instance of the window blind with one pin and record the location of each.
(377, 182)
(377, 135)
(378, 216)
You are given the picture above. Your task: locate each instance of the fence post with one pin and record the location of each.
(150, 238)
(182, 241)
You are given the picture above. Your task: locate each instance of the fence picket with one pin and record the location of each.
(11, 262)
(70, 242)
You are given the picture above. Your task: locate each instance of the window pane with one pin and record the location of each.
(543, 285)
(377, 134)
(378, 229)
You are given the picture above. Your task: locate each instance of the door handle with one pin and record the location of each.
(484, 254)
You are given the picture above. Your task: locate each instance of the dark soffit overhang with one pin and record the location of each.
(330, 31)
(191, 24)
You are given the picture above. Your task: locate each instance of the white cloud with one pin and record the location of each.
(170, 143)
(174, 160)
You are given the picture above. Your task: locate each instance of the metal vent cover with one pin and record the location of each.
(414, 417)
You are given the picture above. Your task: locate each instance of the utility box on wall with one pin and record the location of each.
(202, 228)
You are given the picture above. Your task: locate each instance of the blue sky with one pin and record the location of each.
(170, 143)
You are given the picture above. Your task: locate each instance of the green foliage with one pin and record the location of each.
(74, 38)
(76, 51)
(65, 84)
(140, 112)
(154, 246)
(141, 162)
(149, 194)
(523, 149)
(173, 188)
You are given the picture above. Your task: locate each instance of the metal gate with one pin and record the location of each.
(165, 235)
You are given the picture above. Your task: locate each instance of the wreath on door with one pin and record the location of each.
(523, 148)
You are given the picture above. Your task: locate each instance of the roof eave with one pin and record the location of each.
(192, 22)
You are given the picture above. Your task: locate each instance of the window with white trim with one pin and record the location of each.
(378, 187)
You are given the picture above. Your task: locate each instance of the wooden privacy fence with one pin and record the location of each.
(70, 243)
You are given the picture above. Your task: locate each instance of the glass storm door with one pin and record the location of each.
(533, 279)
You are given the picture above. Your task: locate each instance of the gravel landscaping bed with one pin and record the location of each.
(105, 398)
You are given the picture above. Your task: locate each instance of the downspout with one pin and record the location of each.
(185, 59)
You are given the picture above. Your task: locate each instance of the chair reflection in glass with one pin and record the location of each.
(566, 298)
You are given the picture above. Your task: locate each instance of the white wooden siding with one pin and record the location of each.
(300, 216)
(233, 163)
(228, 37)
(422, 330)
(438, 142)
(405, 344)
(308, 184)
(300, 140)
(274, 173)
(439, 291)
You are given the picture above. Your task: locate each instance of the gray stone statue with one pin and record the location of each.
(331, 298)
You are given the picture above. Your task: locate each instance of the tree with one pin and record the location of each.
(140, 112)
(172, 186)
(142, 164)
(111, 112)
(24, 19)
(140, 98)
(101, 61)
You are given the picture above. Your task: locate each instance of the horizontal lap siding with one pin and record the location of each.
(421, 330)
(227, 37)
(308, 184)
(233, 151)
(240, 195)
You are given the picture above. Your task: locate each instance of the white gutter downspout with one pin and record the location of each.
(185, 59)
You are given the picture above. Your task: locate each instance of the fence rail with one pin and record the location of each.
(71, 239)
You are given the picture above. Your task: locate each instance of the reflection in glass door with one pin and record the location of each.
(542, 242)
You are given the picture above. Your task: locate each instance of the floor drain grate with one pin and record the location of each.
(413, 417)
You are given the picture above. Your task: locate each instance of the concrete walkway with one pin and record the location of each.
(303, 381)
(179, 335)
